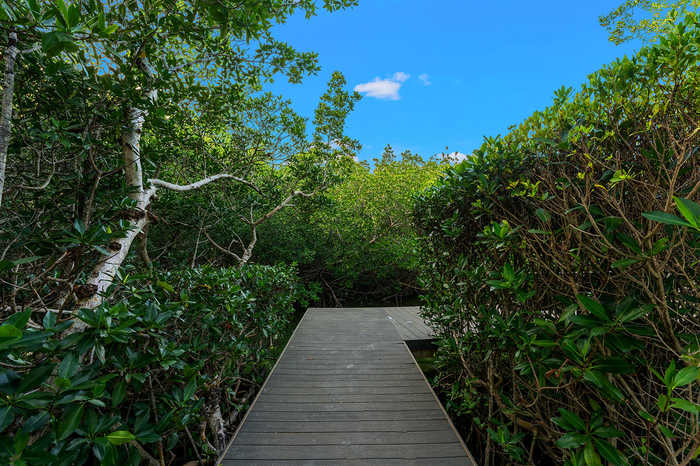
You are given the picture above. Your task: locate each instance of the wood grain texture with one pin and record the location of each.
(347, 391)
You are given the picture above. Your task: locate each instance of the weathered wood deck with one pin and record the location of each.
(346, 390)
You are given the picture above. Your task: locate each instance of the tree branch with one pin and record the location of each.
(221, 248)
(200, 183)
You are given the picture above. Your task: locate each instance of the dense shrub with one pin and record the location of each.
(356, 241)
(164, 373)
(561, 271)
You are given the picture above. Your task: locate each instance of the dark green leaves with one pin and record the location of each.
(71, 420)
(68, 366)
(594, 307)
(569, 420)
(688, 209)
(665, 218)
(84, 392)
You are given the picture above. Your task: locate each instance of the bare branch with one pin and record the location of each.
(200, 183)
(221, 248)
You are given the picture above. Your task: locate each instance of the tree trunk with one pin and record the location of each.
(8, 91)
(102, 275)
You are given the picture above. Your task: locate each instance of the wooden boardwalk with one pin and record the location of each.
(346, 390)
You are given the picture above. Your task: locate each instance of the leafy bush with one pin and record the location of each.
(356, 241)
(164, 373)
(561, 268)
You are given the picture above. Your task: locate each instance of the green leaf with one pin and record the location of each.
(634, 314)
(666, 431)
(5, 265)
(610, 453)
(21, 441)
(148, 436)
(19, 319)
(69, 366)
(61, 7)
(646, 416)
(608, 432)
(543, 215)
(624, 263)
(36, 422)
(665, 218)
(79, 225)
(689, 209)
(33, 7)
(685, 405)
(594, 307)
(100, 352)
(166, 286)
(119, 393)
(601, 381)
(590, 456)
(7, 416)
(35, 378)
(614, 365)
(70, 421)
(73, 16)
(190, 389)
(25, 260)
(120, 437)
(8, 335)
(685, 376)
(568, 441)
(49, 320)
(571, 420)
(101, 250)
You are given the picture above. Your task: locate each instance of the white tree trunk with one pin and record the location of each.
(8, 91)
(103, 274)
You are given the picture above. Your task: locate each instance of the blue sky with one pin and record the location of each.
(439, 74)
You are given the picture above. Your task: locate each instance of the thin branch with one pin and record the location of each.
(200, 183)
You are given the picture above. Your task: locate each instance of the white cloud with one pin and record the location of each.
(384, 88)
(456, 157)
(425, 78)
(380, 89)
(400, 76)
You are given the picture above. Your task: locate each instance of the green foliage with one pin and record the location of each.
(356, 240)
(645, 19)
(560, 266)
(151, 367)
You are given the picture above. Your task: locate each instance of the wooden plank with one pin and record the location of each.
(348, 371)
(345, 406)
(357, 416)
(311, 390)
(348, 377)
(345, 426)
(457, 461)
(343, 438)
(300, 382)
(320, 452)
(409, 324)
(346, 390)
(316, 397)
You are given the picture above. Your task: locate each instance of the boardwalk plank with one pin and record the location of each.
(346, 427)
(347, 391)
(344, 438)
(345, 406)
(358, 416)
(315, 397)
(309, 390)
(320, 452)
(457, 461)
